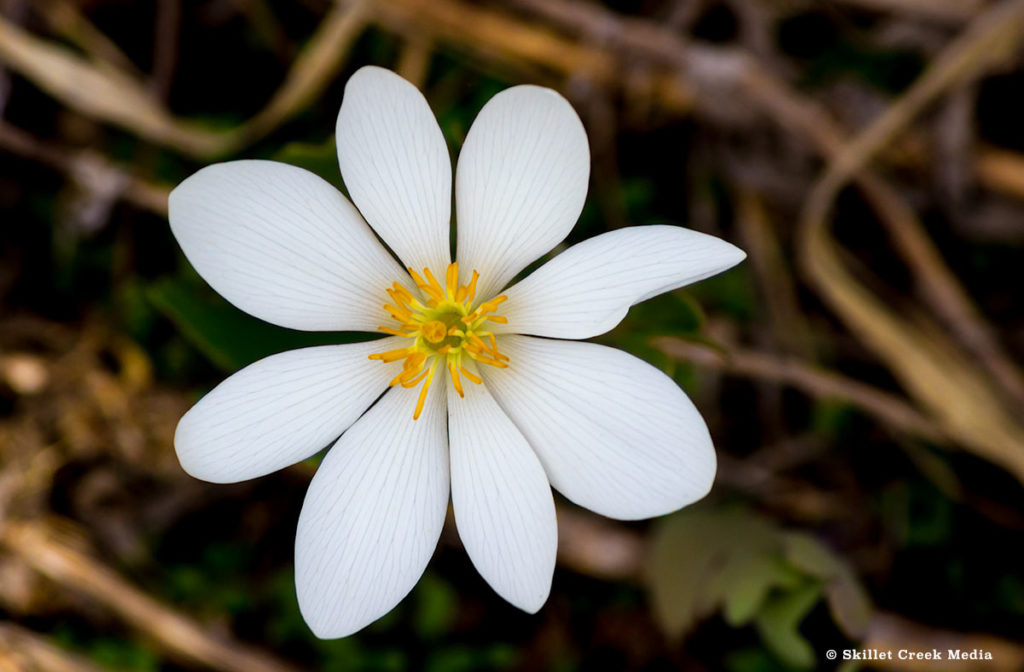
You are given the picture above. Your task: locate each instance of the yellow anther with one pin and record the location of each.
(396, 332)
(452, 280)
(470, 375)
(413, 382)
(399, 314)
(393, 355)
(456, 381)
(435, 289)
(423, 393)
(471, 287)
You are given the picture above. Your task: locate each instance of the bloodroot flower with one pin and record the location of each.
(472, 386)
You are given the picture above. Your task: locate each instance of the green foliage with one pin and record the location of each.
(216, 584)
(846, 598)
(916, 518)
(753, 660)
(436, 606)
(778, 623)
(229, 338)
(889, 71)
(467, 659)
(319, 158)
(753, 572)
(732, 292)
(116, 653)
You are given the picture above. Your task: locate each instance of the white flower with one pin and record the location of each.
(471, 395)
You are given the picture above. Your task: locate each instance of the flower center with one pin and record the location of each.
(443, 328)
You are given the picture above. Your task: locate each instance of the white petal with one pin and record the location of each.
(587, 290)
(504, 510)
(615, 435)
(373, 514)
(280, 410)
(396, 166)
(520, 183)
(284, 245)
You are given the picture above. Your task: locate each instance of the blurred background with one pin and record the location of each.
(860, 372)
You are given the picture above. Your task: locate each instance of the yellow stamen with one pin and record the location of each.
(471, 287)
(456, 381)
(452, 280)
(469, 374)
(423, 394)
(444, 326)
(416, 379)
(435, 286)
(396, 332)
(392, 355)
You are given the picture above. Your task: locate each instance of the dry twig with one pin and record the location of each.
(36, 545)
(22, 650)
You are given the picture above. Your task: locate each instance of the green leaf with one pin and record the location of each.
(778, 623)
(229, 338)
(680, 563)
(751, 579)
(751, 570)
(848, 602)
(704, 561)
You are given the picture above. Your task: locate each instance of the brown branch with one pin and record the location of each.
(812, 380)
(85, 166)
(184, 639)
(22, 650)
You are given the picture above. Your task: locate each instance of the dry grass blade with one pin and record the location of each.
(100, 91)
(181, 637)
(66, 18)
(22, 650)
(934, 371)
(312, 71)
(1001, 170)
(109, 94)
(695, 73)
(774, 273)
(507, 41)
